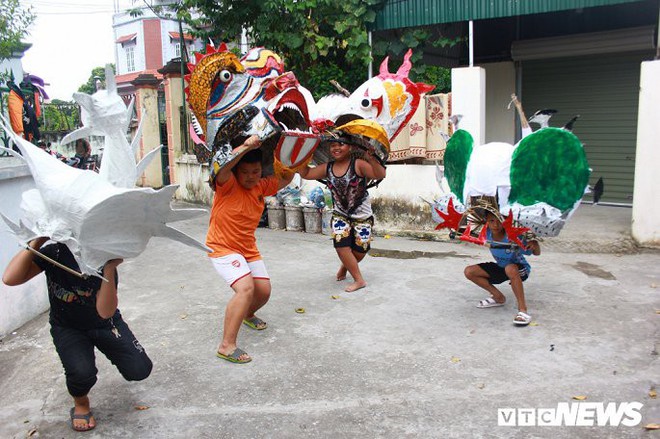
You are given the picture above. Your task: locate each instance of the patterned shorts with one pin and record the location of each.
(353, 233)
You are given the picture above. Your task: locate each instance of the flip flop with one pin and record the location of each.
(85, 417)
(255, 323)
(489, 303)
(234, 357)
(522, 319)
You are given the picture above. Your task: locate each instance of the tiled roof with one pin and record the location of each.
(129, 77)
(125, 39)
(175, 36)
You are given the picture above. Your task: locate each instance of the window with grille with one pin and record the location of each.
(130, 58)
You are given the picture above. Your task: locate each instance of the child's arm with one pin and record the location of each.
(250, 143)
(22, 267)
(313, 173)
(370, 167)
(285, 179)
(106, 299)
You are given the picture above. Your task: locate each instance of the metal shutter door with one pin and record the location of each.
(604, 91)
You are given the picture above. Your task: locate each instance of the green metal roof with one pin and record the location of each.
(410, 13)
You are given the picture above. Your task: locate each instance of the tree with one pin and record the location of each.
(14, 23)
(61, 116)
(313, 36)
(98, 73)
(318, 39)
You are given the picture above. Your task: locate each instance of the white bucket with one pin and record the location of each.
(326, 219)
(294, 218)
(312, 220)
(276, 219)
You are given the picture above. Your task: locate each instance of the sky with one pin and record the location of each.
(70, 38)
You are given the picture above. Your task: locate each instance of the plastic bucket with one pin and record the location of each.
(294, 218)
(326, 218)
(276, 219)
(312, 220)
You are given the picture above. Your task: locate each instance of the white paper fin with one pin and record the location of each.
(15, 228)
(176, 235)
(110, 83)
(80, 133)
(138, 133)
(140, 168)
(184, 214)
(129, 116)
(12, 152)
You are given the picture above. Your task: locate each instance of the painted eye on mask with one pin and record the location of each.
(225, 76)
(365, 103)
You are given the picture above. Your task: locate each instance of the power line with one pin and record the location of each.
(42, 7)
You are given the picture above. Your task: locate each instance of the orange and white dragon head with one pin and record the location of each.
(389, 99)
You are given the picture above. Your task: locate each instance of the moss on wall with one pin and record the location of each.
(401, 214)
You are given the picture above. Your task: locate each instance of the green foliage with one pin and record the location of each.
(90, 86)
(60, 116)
(434, 75)
(317, 79)
(311, 35)
(319, 40)
(14, 23)
(418, 39)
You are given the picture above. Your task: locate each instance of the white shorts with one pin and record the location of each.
(233, 267)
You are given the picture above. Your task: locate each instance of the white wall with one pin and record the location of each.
(123, 27)
(13, 65)
(18, 304)
(646, 205)
(408, 182)
(468, 98)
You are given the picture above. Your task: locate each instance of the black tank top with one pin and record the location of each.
(349, 190)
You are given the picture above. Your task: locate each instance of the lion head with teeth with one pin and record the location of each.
(234, 98)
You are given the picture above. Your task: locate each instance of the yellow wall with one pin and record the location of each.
(173, 102)
(147, 109)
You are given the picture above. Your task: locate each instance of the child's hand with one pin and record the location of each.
(534, 247)
(252, 142)
(36, 243)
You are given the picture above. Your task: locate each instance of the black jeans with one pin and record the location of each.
(76, 350)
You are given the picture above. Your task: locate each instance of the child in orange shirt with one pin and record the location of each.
(237, 207)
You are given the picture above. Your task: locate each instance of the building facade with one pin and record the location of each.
(579, 57)
(143, 46)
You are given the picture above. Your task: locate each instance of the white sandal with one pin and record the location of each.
(522, 319)
(489, 303)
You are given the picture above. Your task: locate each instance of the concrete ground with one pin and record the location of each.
(408, 356)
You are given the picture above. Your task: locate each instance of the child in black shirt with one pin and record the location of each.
(83, 315)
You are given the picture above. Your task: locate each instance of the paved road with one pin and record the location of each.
(409, 356)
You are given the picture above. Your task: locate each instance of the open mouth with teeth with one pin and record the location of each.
(291, 112)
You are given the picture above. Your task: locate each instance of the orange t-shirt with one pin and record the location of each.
(235, 216)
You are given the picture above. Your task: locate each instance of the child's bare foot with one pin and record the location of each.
(355, 286)
(81, 415)
(341, 274)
